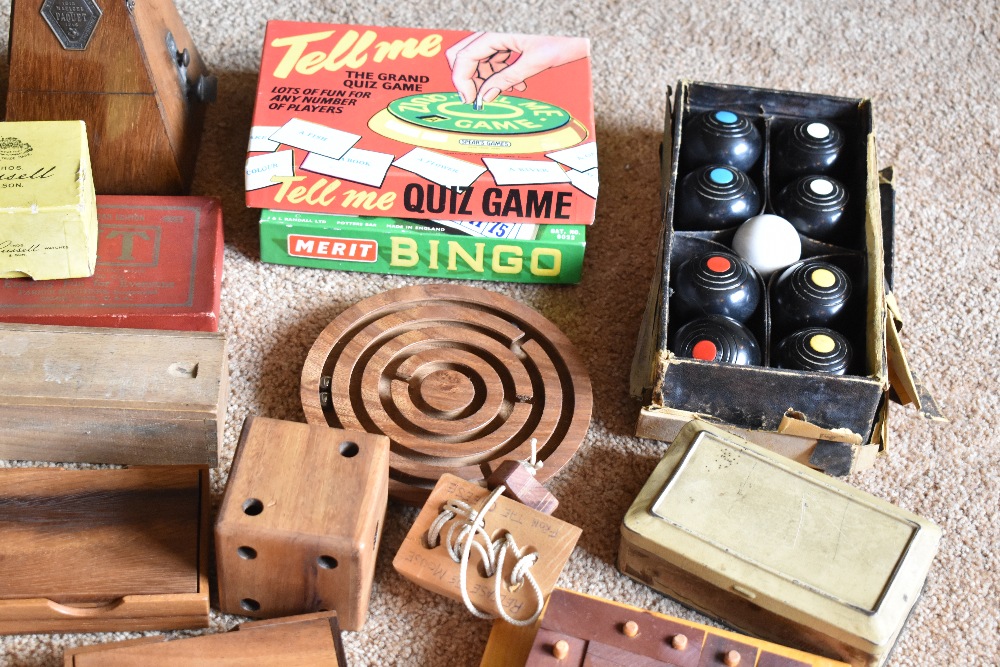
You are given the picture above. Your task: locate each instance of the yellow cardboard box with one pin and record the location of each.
(48, 209)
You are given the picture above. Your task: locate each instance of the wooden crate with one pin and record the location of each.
(103, 550)
(75, 394)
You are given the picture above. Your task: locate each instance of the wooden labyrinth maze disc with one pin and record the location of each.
(459, 378)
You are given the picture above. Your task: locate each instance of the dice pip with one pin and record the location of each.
(300, 522)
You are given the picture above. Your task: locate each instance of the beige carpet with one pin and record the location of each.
(932, 71)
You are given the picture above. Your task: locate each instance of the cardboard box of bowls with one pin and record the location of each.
(771, 313)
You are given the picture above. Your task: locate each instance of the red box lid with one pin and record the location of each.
(159, 266)
(365, 120)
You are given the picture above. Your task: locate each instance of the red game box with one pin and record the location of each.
(415, 123)
(159, 266)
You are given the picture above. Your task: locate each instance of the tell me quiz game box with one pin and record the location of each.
(425, 124)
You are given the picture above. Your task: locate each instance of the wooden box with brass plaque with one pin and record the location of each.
(578, 630)
(309, 639)
(128, 69)
(103, 550)
(300, 522)
(499, 557)
(127, 396)
(776, 549)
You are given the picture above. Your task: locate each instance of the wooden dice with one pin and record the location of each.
(129, 70)
(300, 521)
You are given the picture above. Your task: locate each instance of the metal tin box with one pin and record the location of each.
(775, 549)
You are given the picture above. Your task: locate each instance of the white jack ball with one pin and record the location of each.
(768, 243)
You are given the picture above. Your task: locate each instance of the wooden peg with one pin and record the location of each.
(560, 649)
(522, 486)
(679, 642)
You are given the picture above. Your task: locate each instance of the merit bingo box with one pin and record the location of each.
(424, 124)
(498, 251)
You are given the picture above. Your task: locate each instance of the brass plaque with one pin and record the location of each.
(72, 21)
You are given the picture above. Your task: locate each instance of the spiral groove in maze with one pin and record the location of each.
(459, 378)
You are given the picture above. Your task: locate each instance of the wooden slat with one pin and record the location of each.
(300, 641)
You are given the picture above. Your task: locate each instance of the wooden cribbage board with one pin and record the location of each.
(594, 632)
(103, 550)
(433, 569)
(295, 641)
